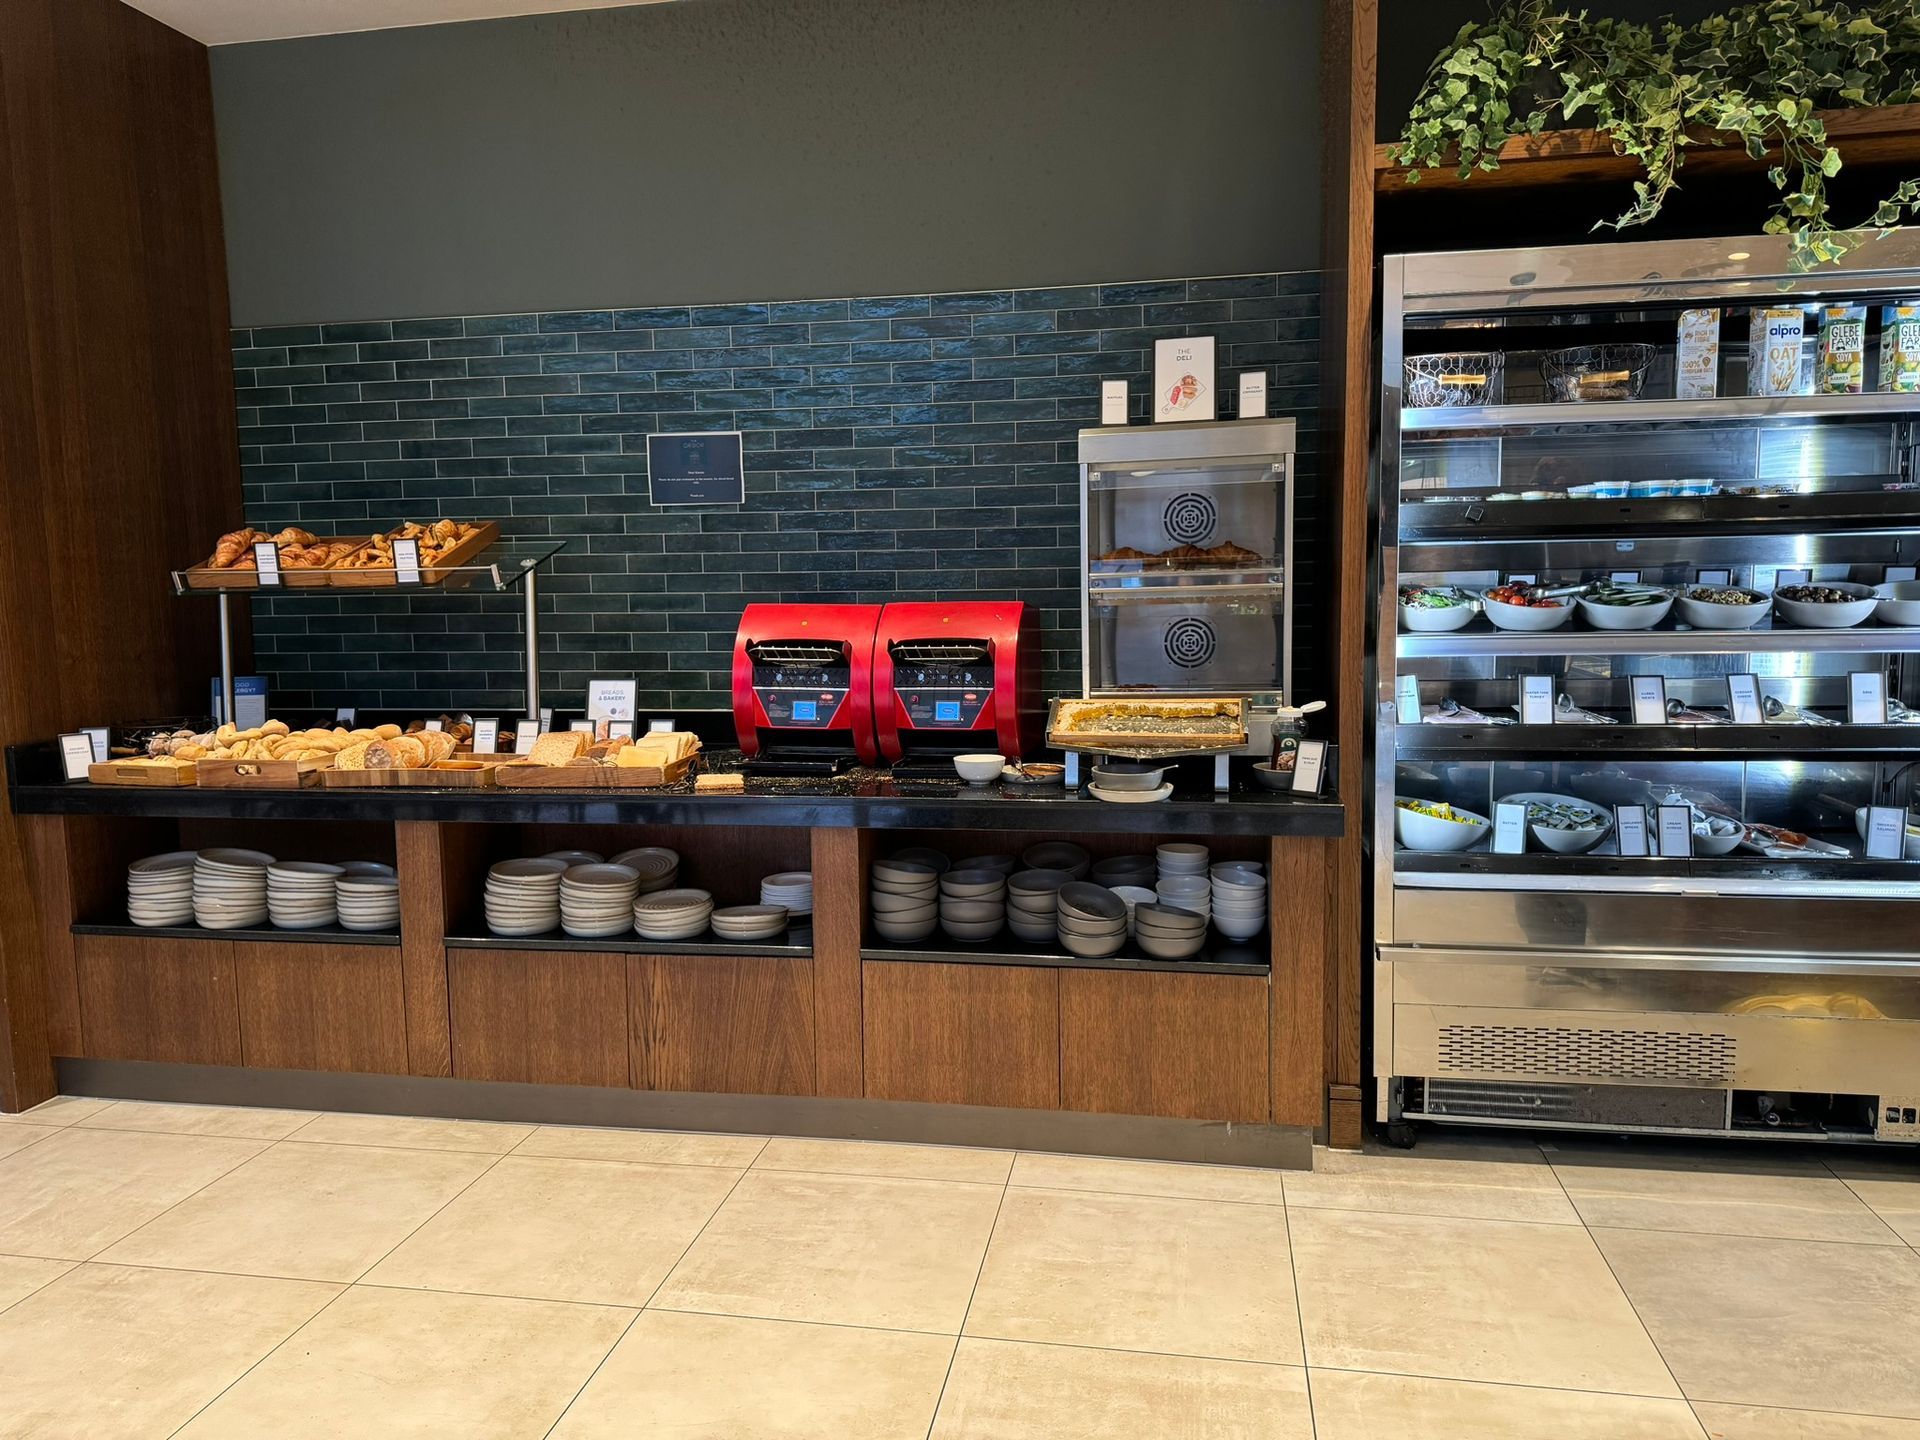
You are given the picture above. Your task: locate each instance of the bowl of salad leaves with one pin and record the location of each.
(1429, 608)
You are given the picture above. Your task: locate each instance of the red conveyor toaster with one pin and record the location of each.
(951, 677)
(803, 686)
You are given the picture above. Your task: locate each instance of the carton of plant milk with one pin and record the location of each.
(1773, 351)
(1696, 366)
(1900, 349)
(1842, 366)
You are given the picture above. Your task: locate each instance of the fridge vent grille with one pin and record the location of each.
(1548, 1103)
(1673, 1055)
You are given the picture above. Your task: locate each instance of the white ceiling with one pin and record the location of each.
(227, 22)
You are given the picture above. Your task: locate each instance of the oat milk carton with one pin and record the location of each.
(1773, 351)
(1900, 349)
(1843, 350)
(1696, 366)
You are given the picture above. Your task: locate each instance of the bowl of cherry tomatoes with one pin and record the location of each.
(1520, 606)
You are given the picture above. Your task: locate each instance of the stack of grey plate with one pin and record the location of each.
(230, 888)
(523, 896)
(596, 901)
(1167, 932)
(749, 922)
(1033, 903)
(1093, 920)
(368, 902)
(301, 894)
(1239, 898)
(905, 898)
(973, 904)
(672, 914)
(936, 860)
(791, 890)
(576, 857)
(160, 889)
(657, 867)
(1118, 870)
(1058, 855)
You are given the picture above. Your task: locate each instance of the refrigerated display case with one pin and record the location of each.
(1757, 969)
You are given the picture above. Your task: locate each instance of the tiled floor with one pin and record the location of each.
(174, 1270)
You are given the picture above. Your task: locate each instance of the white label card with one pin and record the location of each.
(406, 562)
(1406, 694)
(1713, 577)
(620, 729)
(1310, 767)
(436, 725)
(1630, 827)
(1867, 698)
(1896, 573)
(97, 737)
(486, 737)
(1509, 829)
(1649, 700)
(1253, 394)
(1676, 831)
(1743, 699)
(1791, 577)
(1886, 833)
(581, 727)
(546, 718)
(654, 726)
(1624, 577)
(76, 754)
(266, 561)
(524, 735)
(1536, 700)
(1113, 402)
(344, 715)
(1523, 577)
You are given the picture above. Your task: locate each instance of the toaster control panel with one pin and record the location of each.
(935, 699)
(800, 699)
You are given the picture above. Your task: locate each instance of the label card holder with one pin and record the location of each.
(1782, 578)
(1510, 829)
(1713, 577)
(344, 715)
(546, 718)
(1896, 573)
(1253, 394)
(1886, 833)
(1743, 699)
(486, 736)
(266, 562)
(525, 733)
(1630, 828)
(1536, 700)
(620, 729)
(581, 727)
(1113, 402)
(1310, 767)
(1649, 700)
(1406, 695)
(1676, 832)
(406, 562)
(76, 754)
(97, 737)
(1522, 577)
(436, 725)
(1624, 577)
(1866, 698)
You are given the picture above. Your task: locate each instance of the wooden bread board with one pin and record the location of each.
(205, 576)
(262, 774)
(524, 776)
(430, 574)
(119, 772)
(439, 775)
(1146, 740)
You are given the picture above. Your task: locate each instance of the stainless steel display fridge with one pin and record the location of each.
(1644, 856)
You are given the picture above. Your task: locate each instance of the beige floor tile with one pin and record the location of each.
(1468, 1300)
(20, 1276)
(19, 1137)
(74, 1193)
(240, 1122)
(1350, 1405)
(1787, 1198)
(303, 1212)
(839, 1249)
(715, 1377)
(581, 1230)
(1889, 1185)
(1791, 1323)
(906, 1162)
(653, 1147)
(1149, 1177)
(1131, 1272)
(1001, 1390)
(112, 1352)
(413, 1132)
(60, 1110)
(404, 1363)
(1747, 1422)
(1468, 1181)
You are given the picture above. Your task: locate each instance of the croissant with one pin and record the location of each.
(294, 535)
(233, 545)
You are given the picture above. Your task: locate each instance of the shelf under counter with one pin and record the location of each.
(262, 934)
(1217, 957)
(1558, 415)
(1481, 638)
(794, 944)
(1655, 742)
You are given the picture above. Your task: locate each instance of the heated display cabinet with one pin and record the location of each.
(1756, 970)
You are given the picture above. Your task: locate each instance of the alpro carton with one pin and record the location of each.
(1773, 351)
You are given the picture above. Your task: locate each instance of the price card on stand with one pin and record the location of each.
(1782, 578)
(1536, 700)
(581, 727)
(1113, 402)
(344, 715)
(1406, 695)
(1310, 767)
(76, 754)
(266, 562)
(620, 729)
(1522, 577)
(1713, 577)
(1630, 829)
(406, 562)
(1509, 829)
(1896, 573)
(1886, 833)
(1649, 700)
(1867, 698)
(1676, 831)
(525, 734)
(97, 737)
(1253, 394)
(1624, 577)
(1743, 699)
(436, 725)
(486, 736)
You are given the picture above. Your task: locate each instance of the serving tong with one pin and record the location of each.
(1452, 712)
(1787, 714)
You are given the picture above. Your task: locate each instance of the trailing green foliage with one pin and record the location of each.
(1754, 76)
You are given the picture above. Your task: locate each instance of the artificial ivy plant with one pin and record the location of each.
(1756, 76)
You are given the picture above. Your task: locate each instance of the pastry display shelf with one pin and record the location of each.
(1667, 638)
(1655, 742)
(1111, 587)
(1474, 517)
(1735, 874)
(1218, 957)
(502, 566)
(795, 943)
(1494, 419)
(325, 935)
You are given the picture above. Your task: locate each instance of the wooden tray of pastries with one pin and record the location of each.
(1157, 722)
(571, 761)
(305, 559)
(444, 545)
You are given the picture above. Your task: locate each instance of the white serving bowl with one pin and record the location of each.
(1899, 603)
(972, 884)
(1711, 845)
(1423, 832)
(1563, 842)
(1421, 620)
(1839, 616)
(979, 769)
(1705, 615)
(1913, 830)
(1625, 617)
(1128, 777)
(1235, 928)
(1527, 617)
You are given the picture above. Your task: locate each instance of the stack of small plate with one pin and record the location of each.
(576, 857)
(361, 869)
(301, 895)
(230, 888)
(657, 866)
(160, 889)
(749, 922)
(1093, 920)
(973, 904)
(1033, 903)
(1059, 855)
(905, 898)
(1117, 870)
(1168, 932)
(672, 914)
(368, 902)
(596, 901)
(791, 891)
(523, 896)
(1239, 898)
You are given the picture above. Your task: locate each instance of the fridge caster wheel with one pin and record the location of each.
(1401, 1134)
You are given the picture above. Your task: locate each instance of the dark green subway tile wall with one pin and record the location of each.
(919, 446)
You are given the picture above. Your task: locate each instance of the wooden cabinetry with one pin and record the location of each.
(322, 1007)
(544, 1017)
(1192, 1047)
(963, 1034)
(738, 1024)
(157, 998)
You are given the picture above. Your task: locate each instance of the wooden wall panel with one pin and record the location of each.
(425, 855)
(158, 999)
(1299, 900)
(543, 1017)
(840, 860)
(45, 837)
(723, 1024)
(963, 1034)
(322, 1007)
(1190, 1047)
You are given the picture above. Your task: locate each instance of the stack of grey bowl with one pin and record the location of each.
(973, 904)
(1058, 855)
(905, 899)
(1033, 903)
(1167, 932)
(1118, 870)
(1092, 920)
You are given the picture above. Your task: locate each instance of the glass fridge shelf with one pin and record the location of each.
(1481, 639)
(1652, 412)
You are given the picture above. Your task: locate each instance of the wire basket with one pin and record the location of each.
(1460, 378)
(1597, 372)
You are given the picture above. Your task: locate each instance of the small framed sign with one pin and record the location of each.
(1896, 573)
(406, 562)
(76, 754)
(1676, 832)
(97, 737)
(698, 468)
(612, 699)
(620, 729)
(436, 725)
(1509, 829)
(1649, 700)
(266, 562)
(1253, 394)
(486, 736)
(581, 727)
(344, 715)
(1522, 577)
(1624, 577)
(546, 718)
(1113, 402)
(1713, 577)
(654, 726)
(1406, 694)
(1743, 699)
(1183, 379)
(1886, 833)
(524, 735)
(1536, 699)
(1792, 577)
(1630, 829)
(1310, 767)
(1867, 698)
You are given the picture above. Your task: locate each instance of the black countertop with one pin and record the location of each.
(861, 799)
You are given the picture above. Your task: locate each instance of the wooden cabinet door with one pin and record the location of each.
(962, 1034)
(157, 998)
(723, 1024)
(322, 1007)
(544, 1017)
(1193, 1047)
